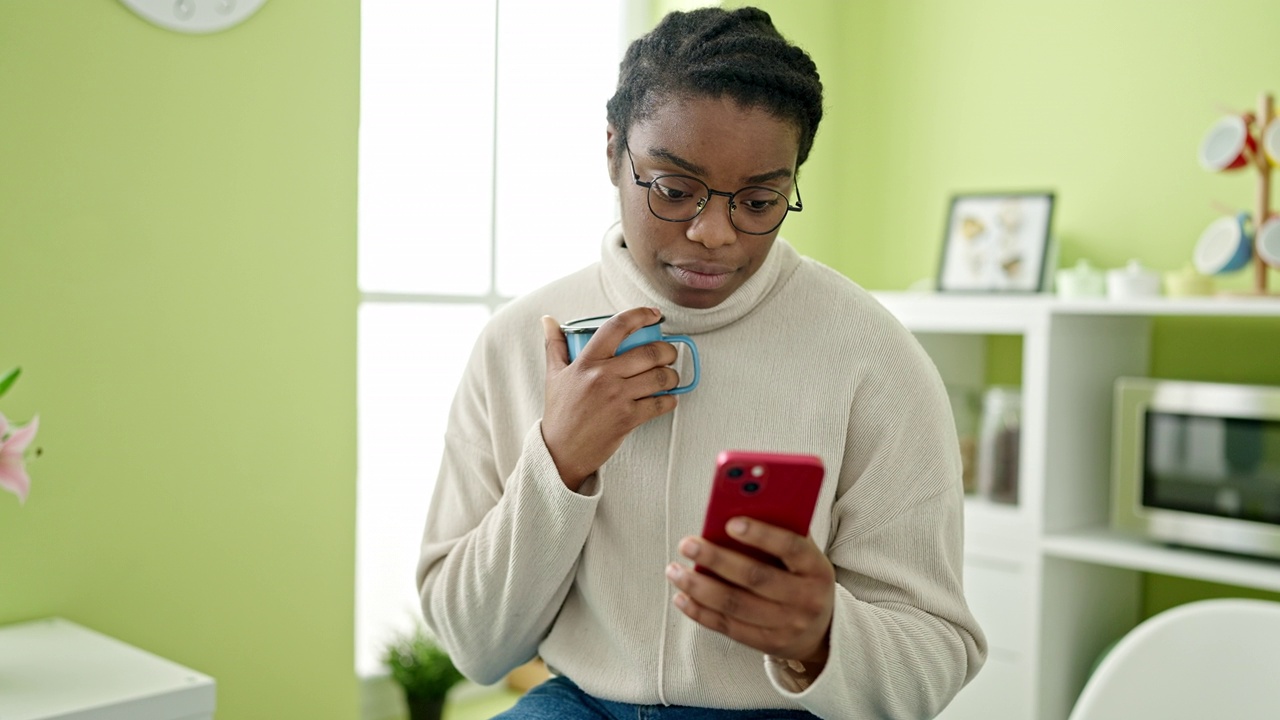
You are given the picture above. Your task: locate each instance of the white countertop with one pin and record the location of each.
(54, 668)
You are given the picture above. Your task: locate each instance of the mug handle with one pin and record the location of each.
(697, 364)
(1245, 218)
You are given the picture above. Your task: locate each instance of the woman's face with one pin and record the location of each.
(701, 262)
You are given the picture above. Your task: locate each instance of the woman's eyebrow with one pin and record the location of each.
(692, 168)
(665, 154)
(771, 175)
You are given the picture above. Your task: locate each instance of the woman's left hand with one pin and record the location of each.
(784, 613)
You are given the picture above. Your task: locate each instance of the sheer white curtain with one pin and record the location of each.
(482, 176)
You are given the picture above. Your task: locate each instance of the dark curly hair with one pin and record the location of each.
(715, 52)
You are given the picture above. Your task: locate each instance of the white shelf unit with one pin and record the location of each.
(54, 669)
(1050, 583)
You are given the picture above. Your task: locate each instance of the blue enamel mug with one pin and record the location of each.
(578, 332)
(1225, 246)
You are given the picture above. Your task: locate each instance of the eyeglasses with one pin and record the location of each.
(680, 198)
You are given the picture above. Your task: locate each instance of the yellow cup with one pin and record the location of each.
(1187, 282)
(1271, 141)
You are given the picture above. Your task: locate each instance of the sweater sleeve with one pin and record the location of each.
(900, 648)
(903, 641)
(498, 552)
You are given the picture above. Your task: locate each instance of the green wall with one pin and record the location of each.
(177, 279)
(1102, 101)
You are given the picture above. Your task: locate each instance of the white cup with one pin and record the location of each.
(1228, 145)
(1271, 141)
(1267, 241)
(1225, 246)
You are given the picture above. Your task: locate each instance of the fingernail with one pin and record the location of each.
(681, 600)
(737, 526)
(656, 312)
(689, 548)
(674, 571)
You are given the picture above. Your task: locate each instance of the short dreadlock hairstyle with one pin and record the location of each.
(713, 52)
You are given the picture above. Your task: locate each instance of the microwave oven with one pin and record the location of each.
(1197, 464)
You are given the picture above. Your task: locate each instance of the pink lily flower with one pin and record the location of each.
(13, 447)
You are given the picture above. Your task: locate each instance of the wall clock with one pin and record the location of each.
(195, 16)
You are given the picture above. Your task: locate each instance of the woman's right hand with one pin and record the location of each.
(595, 401)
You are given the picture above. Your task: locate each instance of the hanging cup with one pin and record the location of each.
(1271, 141)
(1268, 241)
(1225, 246)
(1228, 145)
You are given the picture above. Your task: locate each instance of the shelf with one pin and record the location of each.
(997, 530)
(54, 668)
(1053, 600)
(1102, 546)
(1223, 306)
(989, 314)
(981, 509)
(1014, 313)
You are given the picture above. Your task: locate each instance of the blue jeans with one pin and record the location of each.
(559, 699)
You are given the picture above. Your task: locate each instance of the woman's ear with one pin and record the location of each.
(611, 153)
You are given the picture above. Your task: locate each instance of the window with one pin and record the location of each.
(474, 116)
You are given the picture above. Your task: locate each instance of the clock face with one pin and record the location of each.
(195, 16)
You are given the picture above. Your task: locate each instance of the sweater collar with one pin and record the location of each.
(626, 287)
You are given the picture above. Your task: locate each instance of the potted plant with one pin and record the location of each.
(424, 671)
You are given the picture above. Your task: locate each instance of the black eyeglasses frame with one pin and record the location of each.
(702, 202)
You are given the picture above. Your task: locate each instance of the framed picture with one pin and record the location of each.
(996, 242)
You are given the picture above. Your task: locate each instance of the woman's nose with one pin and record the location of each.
(712, 227)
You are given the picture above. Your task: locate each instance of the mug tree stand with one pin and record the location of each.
(1262, 206)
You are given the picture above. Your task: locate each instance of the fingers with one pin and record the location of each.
(647, 364)
(746, 572)
(645, 371)
(557, 347)
(642, 371)
(785, 613)
(719, 597)
(797, 552)
(795, 627)
(605, 341)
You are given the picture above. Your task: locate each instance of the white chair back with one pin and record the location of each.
(1204, 660)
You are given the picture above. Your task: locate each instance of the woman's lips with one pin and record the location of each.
(701, 277)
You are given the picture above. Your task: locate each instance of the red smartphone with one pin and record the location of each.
(776, 488)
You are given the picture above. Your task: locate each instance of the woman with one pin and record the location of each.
(570, 496)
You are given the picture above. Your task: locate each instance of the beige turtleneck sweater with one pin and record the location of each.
(799, 359)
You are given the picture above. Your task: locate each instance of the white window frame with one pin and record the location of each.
(380, 698)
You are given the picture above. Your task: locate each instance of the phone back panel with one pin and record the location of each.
(776, 488)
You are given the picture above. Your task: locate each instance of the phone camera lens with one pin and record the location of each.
(735, 473)
(750, 487)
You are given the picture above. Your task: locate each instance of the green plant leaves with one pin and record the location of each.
(9, 379)
(421, 667)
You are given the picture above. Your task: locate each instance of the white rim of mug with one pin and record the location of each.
(573, 327)
(1269, 247)
(1214, 139)
(1213, 240)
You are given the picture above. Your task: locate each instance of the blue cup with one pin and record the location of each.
(1225, 246)
(579, 332)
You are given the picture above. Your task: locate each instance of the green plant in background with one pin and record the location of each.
(424, 671)
(13, 446)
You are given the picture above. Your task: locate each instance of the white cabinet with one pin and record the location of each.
(1050, 583)
(56, 669)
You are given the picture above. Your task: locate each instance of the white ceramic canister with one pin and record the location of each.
(1132, 281)
(1082, 280)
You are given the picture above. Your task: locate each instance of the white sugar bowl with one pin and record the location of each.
(1080, 281)
(1132, 281)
